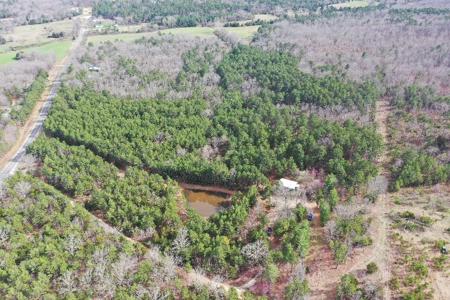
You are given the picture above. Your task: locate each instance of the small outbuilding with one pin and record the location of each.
(289, 184)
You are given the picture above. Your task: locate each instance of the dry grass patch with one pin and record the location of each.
(421, 218)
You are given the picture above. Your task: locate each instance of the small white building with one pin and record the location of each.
(289, 184)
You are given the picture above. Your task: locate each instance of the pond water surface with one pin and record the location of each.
(206, 203)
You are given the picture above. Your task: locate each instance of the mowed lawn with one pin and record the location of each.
(245, 32)
(58, 48)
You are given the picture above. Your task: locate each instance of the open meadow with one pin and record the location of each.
(30, 35)
(244, 32)
(57, 48)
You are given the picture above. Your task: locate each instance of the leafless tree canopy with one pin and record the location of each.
(16, 77)
(146, 68)
(38, 11)
(371, 45)
(19, 75)
(418, 3)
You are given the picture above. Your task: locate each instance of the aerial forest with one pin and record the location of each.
(314, 133)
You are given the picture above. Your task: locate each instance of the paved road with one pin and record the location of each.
(10, 167)
(13, 163)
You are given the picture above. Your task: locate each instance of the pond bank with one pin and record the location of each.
(207, 188)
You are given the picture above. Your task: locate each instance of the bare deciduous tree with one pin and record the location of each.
(67, 283)
(167, 270)
(85, 281)
(37, 11)
(73, 243)
(181, 242)
(255, 253)
(125, 70)
(370, 46)
(4, 236)
(121, 269)
(23, 188)
(144, 234)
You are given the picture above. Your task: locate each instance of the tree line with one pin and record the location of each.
(185, 13)
(32, 95)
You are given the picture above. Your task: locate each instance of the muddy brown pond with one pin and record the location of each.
(206, 203)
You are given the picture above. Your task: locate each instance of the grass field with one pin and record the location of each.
(244, 32)
(28, 35)
(351, 4)
(58, 48)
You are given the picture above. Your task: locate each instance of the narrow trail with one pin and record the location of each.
(191, 277)
(381, 253)
(325, 274)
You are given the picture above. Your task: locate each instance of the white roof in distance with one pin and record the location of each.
(289, 184)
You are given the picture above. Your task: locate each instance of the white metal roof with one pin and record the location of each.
(292, 185)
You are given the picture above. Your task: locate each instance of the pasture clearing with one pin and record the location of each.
(351, 4)
(245, 32)
(128, 37)
(29, 35)
(58, 48)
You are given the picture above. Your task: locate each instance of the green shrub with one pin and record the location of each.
(271, 273)
(362, 241)
(296, 289)
(372, 197)
(426, 220)
(407, 215)
(439, 244)
(348, 287)
(340, 251)
(420, 268)
(372, 268)
(415, 295)
(439, 262)
(397, 201)
(411, 280)
(325, 212)
(394, 284)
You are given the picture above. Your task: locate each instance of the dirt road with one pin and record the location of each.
(33, 126)
(379, 230)
(325, 275)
